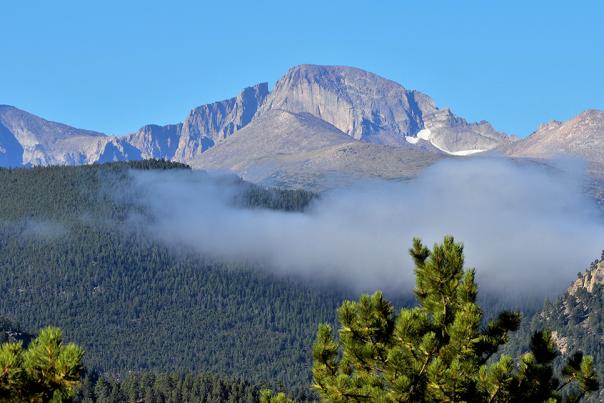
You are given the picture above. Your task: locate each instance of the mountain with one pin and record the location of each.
(300, 150)
(370, 108)
(581, 136)
(318, 119)
(26, 139)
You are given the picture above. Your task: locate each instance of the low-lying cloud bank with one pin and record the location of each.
(527, 228)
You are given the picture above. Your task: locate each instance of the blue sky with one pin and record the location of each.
(113, 66)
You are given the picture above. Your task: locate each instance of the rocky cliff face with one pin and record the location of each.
(211, 124)
(576, 317)
(370, 108)
(155, 141)
(589, 279)
(361, 104)
(582, 136)
(454, 135)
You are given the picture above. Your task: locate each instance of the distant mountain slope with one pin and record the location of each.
(26, 139)
(582, 136)
(299, 149)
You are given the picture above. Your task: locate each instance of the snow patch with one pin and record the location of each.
(423, 134)
(463, 152)
(426, 134)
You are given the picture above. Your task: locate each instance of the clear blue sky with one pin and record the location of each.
(113, 66)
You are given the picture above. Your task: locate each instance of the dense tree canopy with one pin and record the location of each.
(438, 351)
(67, 258)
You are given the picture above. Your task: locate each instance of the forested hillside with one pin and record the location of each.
(66, 259)
(576, 319)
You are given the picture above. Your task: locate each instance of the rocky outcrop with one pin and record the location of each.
(589, 279)
(456, 136)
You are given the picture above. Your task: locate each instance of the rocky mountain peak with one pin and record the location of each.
(361, 104)
(552, 124)
(211, 124)
(373, 109)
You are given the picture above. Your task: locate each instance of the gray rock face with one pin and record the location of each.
(117, 149)
(41, 142)
(370, 108)
(582, 136)
(456, 136)
(211, 124)
(361, 104)
(155, 141)
(11, 151)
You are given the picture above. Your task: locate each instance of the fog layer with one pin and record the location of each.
(527, 228)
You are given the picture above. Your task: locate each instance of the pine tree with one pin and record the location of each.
(438, 351)
(268, 396)
(47, 371)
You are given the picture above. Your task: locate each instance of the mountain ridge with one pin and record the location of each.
(581, 136)
(369, 109)
(362, 105)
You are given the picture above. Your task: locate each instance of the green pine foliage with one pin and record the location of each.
(135, 304)
(268, 396)
(47, 371)
(439, 351)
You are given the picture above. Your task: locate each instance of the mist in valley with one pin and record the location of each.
(528, 228)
